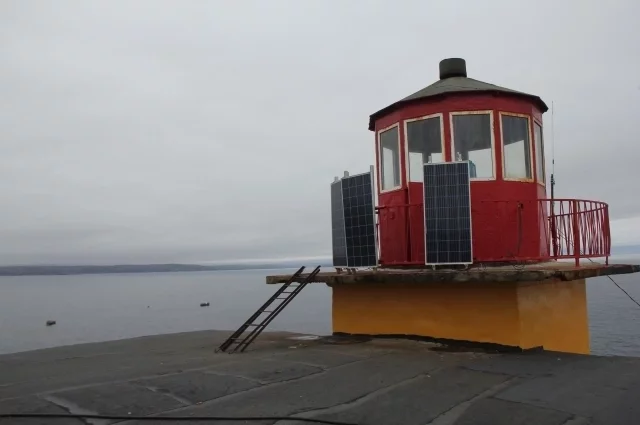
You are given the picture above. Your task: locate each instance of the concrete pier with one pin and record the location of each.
(375, 382)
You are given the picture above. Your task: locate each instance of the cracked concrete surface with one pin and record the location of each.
(377, 382)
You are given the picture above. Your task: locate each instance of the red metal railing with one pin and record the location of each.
(579, 229)
(506, 231)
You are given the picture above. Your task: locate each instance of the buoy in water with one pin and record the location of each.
(204, 304)
(51, 322)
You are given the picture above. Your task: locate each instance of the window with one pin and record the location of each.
(424, 141)
(540, 168)
(390, 158)
(516, 150)
(472, 141)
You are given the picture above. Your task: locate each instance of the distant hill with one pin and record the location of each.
(146, 268)
(625, 249)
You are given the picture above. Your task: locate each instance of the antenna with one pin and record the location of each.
(553, 151)
(554, 231)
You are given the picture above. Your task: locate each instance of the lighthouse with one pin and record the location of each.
(453, 236)
(499, 132)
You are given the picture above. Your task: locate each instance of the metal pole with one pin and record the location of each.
(554, 232)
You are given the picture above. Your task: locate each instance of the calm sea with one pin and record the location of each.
(90, 308)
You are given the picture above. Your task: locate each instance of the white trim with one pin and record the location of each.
(493, 142)
(542, 182)
(379, 155)
(529, 128)
(424, 215)
(406, 140)
(375, 224)
(344, 222)
(424, 219)
(356, 175)
(346, 246)
(447, 264)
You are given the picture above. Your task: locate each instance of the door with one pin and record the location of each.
(425, 143)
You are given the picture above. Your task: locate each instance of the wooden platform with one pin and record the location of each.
(529, 273)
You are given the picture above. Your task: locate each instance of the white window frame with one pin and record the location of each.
(378, 146)
(493, 141)
(531, 161)
(406, 140)
(541, 180)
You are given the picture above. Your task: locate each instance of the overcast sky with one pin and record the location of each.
(193, 131)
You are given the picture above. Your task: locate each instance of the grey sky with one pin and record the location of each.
(155, 131)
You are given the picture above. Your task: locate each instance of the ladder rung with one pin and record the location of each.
(243, 340)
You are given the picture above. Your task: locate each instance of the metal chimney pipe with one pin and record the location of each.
(453, 67)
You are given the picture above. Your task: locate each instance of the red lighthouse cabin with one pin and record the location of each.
(500, 132)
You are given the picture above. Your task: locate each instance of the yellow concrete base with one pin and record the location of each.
(549, 314)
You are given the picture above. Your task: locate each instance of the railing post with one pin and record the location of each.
(554, 231)
(607, 234)
(575, 223)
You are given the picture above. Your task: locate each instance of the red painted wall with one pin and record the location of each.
(502, 231)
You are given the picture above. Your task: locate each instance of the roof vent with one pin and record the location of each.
(453, 67)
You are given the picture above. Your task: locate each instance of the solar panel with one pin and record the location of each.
(447, 213)
(338, 236)
(353, 222)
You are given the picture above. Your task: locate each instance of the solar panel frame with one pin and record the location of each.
(463, 212)
(357, 195)
(358, 219)
(338, 230)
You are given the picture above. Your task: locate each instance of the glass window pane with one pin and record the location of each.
(517, 155)
(390, 159)
(472, 142)
(540, 166)
(425, 145)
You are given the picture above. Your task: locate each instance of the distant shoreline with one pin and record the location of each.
(138, 268)
(53, 270)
